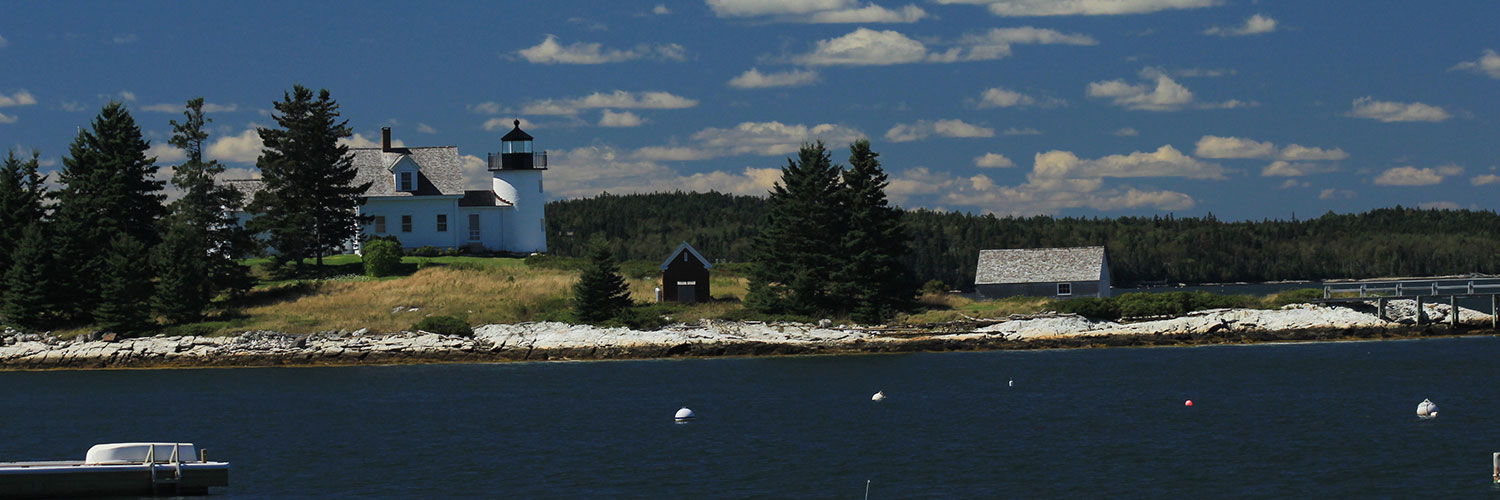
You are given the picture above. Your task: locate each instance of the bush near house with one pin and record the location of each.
(382, 258)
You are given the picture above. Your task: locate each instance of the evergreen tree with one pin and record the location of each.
(795, 252)
(601, 293)
(196, 259)
(872, 277)
(26, 299)
(308, 206)
(126, 286)
(21, 194)
(108, 190)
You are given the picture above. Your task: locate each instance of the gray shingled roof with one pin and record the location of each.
(246, 187)
(440, 171)
(1039, 265)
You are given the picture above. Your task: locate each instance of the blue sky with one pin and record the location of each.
(1243, 109)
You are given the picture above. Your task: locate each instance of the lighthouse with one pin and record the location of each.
(517, 171)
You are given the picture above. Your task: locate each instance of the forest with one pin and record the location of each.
(1162, 249)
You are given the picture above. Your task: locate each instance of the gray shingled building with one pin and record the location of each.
(1042, 272)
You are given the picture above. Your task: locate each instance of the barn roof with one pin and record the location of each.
(1039, 265)
(685, 247)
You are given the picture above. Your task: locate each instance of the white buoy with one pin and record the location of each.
(684, 415)
(1427, 409)
(879, 396)
(1012, 383)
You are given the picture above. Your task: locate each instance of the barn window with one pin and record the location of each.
(1065, 289)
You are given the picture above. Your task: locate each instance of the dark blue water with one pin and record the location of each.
(1332, 420)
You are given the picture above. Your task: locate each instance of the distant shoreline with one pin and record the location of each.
(424, 348)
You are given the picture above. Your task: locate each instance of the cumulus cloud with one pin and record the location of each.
(618, 99)
(4, 118)
(1255, 25)
(1488, 64)
(661, 9)
(1292, 183)
(624, 119)
(1166, 161)
(1020, 131)
(240, 148)
(1283, 168)
(1125, 132)
(1029, 8)
(1413, 176)
(922, 186)
(1160, 93)
(360, 141)
(1485, 179)
(816, 11)
(993, 160)
(589, 171)
(946, 128)
(1390, 111)
(867, 47)
(208, 107)
(485, 108)
(426, 129)
(1212, 146)
(1336, 194)
(166, 154)
(3, 42)
(494, 124)
(551, 52)
(771, 138)
(1000, 97)
(754, 79)
(18, 98)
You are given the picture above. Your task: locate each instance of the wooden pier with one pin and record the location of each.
(1439, 289)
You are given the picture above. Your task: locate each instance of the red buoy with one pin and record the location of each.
(1188, 403)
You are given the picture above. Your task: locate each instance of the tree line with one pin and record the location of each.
(944, 245)
(105, 249)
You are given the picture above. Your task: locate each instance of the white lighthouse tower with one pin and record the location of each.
(518, 180)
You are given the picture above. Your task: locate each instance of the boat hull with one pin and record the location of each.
(64, 479)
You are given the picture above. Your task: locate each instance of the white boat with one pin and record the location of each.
(1427, 409)
(117, 469)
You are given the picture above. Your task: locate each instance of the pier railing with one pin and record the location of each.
(1409, 289)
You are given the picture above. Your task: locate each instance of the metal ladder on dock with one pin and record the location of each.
(166, 480)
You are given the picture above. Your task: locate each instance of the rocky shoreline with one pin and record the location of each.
(559, 341)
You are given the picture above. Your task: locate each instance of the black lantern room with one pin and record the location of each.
(515, 152)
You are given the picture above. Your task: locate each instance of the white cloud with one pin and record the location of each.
(589, 171)
(208, 107)
(360, 141)
(71, 106)
(166, 154)
(1413, 176)
(1439, 205)
(1020, 131)
(753, 8)
(999, 97)
(3, 42)
(1336, 194)
(4, 118)
(661, 9)
(1125, 132)
(1028, 8)
(1212, 146)
(1166, 161)
(1292, 183)
(1390, 111)
(1485, 179)
(771, 138)
(551, 52)
(997, 42)
(625, 119)
(1487, 64)
(485, 108)
(476, 171)
(1203, 72)
(816, 11)
(426, 129)
(865, 46)
(669, 153)
(1255, 25)
(993, 160)
(946, 128)
(754, 79)
(923, 186)
(1164, 94)
(868, 14)
(127, 95)
(124, 39)
(19, 98)
(494, 124)
(618, 99)
(242, 148)
(1283, 168)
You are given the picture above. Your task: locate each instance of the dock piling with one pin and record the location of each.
(1453, 309)
(1419, 310)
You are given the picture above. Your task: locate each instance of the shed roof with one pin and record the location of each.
(439, 170)
(688, 248)
(1039, 265)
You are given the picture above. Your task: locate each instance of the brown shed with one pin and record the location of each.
(684, 276)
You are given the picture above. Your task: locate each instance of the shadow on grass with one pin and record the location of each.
(274, 294)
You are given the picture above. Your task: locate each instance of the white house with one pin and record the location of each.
(417, 195)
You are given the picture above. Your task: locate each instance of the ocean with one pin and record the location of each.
(1309, 420)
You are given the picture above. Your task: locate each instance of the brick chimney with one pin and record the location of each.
(385, 139)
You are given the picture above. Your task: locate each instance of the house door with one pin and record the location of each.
(687, 293)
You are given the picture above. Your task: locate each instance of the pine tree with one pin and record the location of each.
(308, 206)
(601, 293)
(108, 190)
(26, 299)
(795, 252)
(196, 259)
(126, 286)
(872, 277)
(21, 195)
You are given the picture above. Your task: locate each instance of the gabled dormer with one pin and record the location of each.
(406, 176)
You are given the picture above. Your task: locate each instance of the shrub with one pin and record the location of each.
(381, 257)
(1091, 307)
(426, 251)
(934, 286)
(278, 268)
(444, 325)
(1295, 297)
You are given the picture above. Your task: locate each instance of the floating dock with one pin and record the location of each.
(116, 469)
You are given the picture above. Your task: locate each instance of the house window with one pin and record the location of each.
(406, 223)
(380, 224)
(473, 227)
(1065, 289)
(406, 181)
(442, 223)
